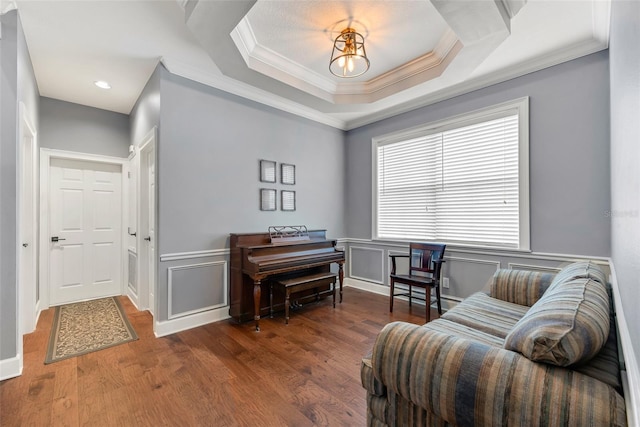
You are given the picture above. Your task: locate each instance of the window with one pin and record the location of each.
(461, 181)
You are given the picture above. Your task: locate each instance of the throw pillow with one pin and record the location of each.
(569, 324)
(579, 270)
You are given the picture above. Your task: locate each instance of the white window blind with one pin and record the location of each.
(460, 185)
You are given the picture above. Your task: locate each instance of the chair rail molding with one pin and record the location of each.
(194, 254)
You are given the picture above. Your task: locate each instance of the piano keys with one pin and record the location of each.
(256, 262)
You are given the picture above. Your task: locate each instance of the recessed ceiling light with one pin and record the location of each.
(102, 84)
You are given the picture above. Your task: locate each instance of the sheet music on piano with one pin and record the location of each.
(288, 233)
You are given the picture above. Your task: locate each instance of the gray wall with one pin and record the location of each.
(625, 158)
(569, 177)
(146, 113)
(17, 86)
(74, 127)
(209, 145)
(569, 154)
(8, 153)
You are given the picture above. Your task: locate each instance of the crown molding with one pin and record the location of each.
(7, 6)
(434, 62)
(266, 61)
(249, 92)
(252, 93)
(558, 57)
(270, 63)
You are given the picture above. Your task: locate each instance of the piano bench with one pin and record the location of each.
(302, 283)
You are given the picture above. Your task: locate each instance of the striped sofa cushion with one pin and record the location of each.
(569, 324)
(579, 270)
(520, 286)
(484, 313)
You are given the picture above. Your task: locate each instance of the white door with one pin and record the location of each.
(150, 238)
(85, 230)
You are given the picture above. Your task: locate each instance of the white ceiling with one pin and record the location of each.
(277, 52)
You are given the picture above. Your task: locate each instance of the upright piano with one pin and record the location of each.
(256, 261)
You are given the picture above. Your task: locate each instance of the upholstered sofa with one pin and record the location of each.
(537, 350)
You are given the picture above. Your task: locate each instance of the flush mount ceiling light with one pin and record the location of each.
(348, 58)
(102, 84)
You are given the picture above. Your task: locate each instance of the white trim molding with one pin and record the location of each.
(474, 261)
(542, 269)
(505, 253)
(631, 370)
(448, 301)
(225, 285)
(518, 106)
(238, 88)
(11, 368)
(194, 254)
(173, 326)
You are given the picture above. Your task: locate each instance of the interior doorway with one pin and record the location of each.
(83, 204)
(147, 221)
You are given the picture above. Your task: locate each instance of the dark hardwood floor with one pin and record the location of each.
(222, 374)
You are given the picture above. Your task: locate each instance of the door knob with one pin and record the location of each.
(56, 239)
(24, 245)
(148, 239)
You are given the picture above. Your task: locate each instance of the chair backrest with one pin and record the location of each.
(426, 259)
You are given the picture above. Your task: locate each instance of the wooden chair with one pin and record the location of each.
(425, 262)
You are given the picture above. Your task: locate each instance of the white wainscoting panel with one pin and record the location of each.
(194, 279)
(373, 261)
(132, 281)
(462, 282)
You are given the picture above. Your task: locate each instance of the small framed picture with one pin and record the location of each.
(267, 171)
(267, 199)
(287, 174)
(288, 200)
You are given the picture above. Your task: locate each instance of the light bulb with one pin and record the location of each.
(350, 63)
(341, 62)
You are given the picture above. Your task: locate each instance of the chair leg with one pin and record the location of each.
(438, 299)
(391, 287)
(410, 295)
(427, 303)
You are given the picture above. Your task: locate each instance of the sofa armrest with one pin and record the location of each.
(519, 286)
(466, 382)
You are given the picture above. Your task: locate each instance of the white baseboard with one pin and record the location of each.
(447, 301)
(631, 374)
(132, 298)
(366, 286)
(169, 327)
(10, 368)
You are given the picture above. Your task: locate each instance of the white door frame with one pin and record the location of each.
(146, 286)
(46, 154)
(133, 225)
(27, 289)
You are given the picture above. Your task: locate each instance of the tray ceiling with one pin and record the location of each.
(277, 52)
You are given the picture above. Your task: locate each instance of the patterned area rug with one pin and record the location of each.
(83, 327)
